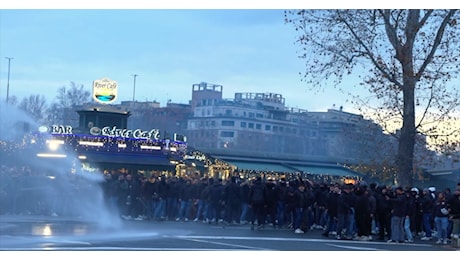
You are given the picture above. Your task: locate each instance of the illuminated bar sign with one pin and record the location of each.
(153, 134)
(105, 91)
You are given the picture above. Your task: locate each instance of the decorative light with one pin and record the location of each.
(89, 143)
(150, 147)
(53, 145)
(51, 155)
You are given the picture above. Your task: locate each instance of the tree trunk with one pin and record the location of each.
(405, 157)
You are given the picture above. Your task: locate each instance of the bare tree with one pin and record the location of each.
(406, 59)
(34, 106)
(67, 98)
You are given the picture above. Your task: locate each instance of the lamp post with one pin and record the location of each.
(134, 86)
(8, 79)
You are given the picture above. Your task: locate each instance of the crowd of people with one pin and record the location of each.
(343, 211)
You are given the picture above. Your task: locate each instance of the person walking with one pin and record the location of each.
(409, 220)
(345, 213)
(331, 210)
(398, 213)
(301, 206)
(232, 201)
(383, 212)
(281, 197)
(453, 205)
(363, 214)
(244, 195)
(441, 218)
(257, 199)
(427, 207)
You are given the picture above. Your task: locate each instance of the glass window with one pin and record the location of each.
(227, 134)
(228, 123)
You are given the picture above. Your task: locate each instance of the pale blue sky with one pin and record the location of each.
(242, 50)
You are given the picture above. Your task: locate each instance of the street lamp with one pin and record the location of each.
(8, 80)
(134, 87)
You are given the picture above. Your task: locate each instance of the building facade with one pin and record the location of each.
(259, 125)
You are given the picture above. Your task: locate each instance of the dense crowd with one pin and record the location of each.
(342, 211)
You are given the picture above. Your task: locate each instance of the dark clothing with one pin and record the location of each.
(399, 206)
(440, 209)
(427, 203)
(232, 202)
(383, 212)
(362, 215)
(454, 204)
(346, 203)
(257, 200)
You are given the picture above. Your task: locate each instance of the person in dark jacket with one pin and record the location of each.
(244, 195)
(331, 210)
(441, 218)
(319, 206)
(271, 202)
(216, 199)
(362, 213)
(398, 213)
(383, 213)
(232, 201)
(453, 205)
(301, 199)
(257, 199)
(162, 193)
(281, 200)
(291, 202)
(185, 198)
(427, 207)
(409, 219)
(345, 213)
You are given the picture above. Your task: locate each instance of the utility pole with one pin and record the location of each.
(8, 80)
(134, 86)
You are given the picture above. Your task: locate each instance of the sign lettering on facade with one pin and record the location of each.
(153, 134)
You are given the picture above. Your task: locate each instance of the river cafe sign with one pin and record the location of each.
(153, 134)
(105, 91)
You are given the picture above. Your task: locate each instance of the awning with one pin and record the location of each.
(260, 166)
(326, 170)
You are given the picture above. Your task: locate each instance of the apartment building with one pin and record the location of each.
(259, 127)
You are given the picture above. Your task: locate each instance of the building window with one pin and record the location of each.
(267, 127)
(251, 115)
(227, 134)
(243, 124)
(228, 123)
(258, 126)
(251, 125)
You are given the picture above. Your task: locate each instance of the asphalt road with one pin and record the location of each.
(19, 233)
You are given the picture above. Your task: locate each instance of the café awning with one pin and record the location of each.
(260, 166)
